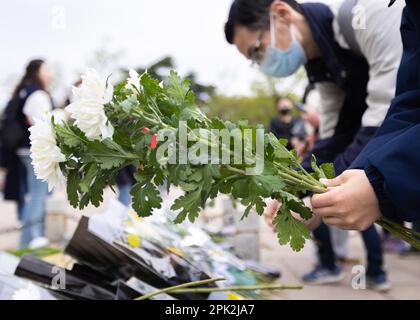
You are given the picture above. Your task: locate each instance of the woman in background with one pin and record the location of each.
(34, 101)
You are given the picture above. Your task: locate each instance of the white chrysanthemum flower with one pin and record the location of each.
(88, 108)
(46, 155)
(133, 82)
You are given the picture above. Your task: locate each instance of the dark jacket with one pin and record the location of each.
(392, 159)
(284, 130)
(350, 72)
(126, 176)
(9, 159)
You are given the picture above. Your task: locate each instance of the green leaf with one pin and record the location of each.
(144, 175)
(73, 179)
(273, 141)
(196, 176)
(71, 136)
(107, 155)
(96, 191)
(300, 208)
(314, 165)
(247, 211)
(284, 142)
(84, 201)
(290, 230)
(327, 170)
(150, 86)
(282, 153)
(269, 184)
(189, 204)
(179, 90)
(294, 155)
(145, 198)
(254, 200)
(90, 175)
(188, 187)
(287, 196)
(122, 138)
(159, 178)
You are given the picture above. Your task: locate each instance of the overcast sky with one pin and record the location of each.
(68, 32)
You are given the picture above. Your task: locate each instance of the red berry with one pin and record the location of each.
(153, 144)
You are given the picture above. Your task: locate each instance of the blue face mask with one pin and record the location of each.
(279, 63)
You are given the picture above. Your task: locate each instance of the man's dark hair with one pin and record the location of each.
(252, 14)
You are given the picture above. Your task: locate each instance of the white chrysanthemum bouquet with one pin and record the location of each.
(159, 129)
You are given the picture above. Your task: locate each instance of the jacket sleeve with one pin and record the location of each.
(392, 159)
(393, 170)
(341, 150)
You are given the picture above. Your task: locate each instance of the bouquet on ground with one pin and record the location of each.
(159, 129)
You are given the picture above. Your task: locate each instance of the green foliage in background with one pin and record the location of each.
(258, 110)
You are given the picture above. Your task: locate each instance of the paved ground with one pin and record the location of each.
(404, 274)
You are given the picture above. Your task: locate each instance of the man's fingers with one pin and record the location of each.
(338, 181)
(333, 221)
(325, 212)
(327, 199)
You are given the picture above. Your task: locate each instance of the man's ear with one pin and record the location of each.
(282, 10)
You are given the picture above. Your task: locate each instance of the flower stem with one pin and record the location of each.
(310, 186)
(310, 181)
(408, 235)
(181, 286)
(237, 288)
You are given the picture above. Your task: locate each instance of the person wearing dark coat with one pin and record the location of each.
(385, 177)
(30, 101)
(285, 125)
(15, 186)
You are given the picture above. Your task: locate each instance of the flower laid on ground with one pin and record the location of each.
(88, 109)
(46, 155)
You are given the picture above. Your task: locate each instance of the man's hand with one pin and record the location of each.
(350, 202)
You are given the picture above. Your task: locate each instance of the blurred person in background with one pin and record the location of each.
(310, 115)
(14, 184)
(391, 243)
(125, 180)
(286, 126)
(32, 100)
(411, 251)
(354, 69)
